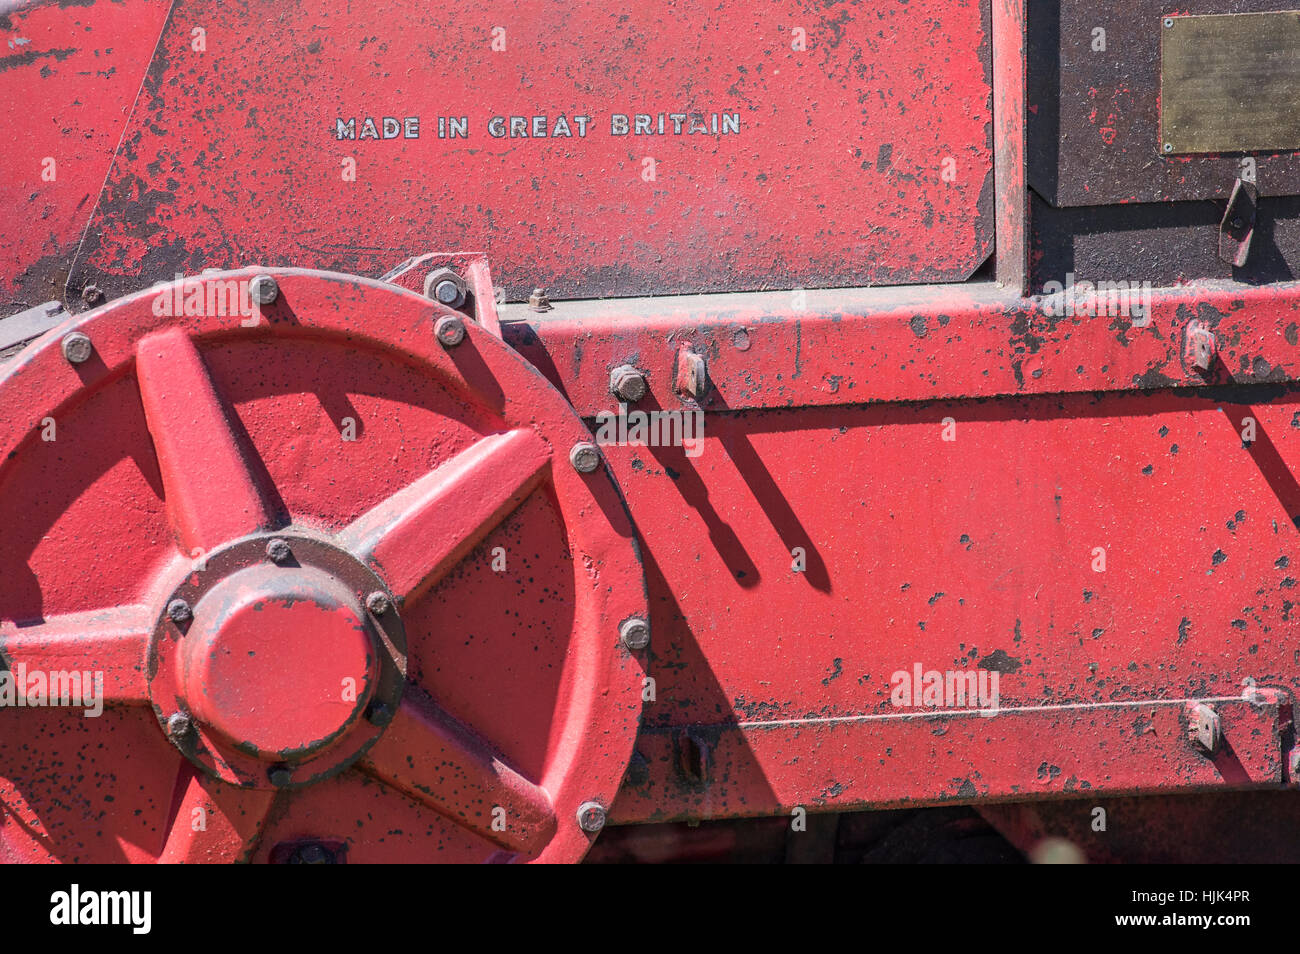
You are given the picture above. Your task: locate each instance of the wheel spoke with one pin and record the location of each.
(213, 823)
(211, 493)
(105, 646)
(415, 536)
(458, 775)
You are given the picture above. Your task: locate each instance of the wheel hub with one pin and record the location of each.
(299, 642)
(276, 668)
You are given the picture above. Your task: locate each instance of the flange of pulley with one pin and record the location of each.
(327, 550)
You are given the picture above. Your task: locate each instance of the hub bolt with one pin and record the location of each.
(378, 603)
(277, 551)
(635, 633)
(280, 776)
(585, 457)
(77, 347)
(264, 289)
(178, 611)
(180, 727)
(450, 331)
(591, 816)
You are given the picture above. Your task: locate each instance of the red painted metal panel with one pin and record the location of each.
(825, 167)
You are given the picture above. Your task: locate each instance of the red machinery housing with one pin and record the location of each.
(964, 527)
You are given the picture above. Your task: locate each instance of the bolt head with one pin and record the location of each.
(627, 383)
(635, 633)
(449, 330)
(378, 713)
(178, 611)
(179, 727)
(77, 347)
(591, 817)
(445, 286)
(280, 775)
(92, 294)
(378, 603)
(585, 457)
(538, 301)
(264, 289)
(277, 551)
(312, 854)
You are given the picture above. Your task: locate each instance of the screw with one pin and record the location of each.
(627, 383)
(278, 551)
(379, 713)
(178, 611)
(1169, 147)
(538, 301)
(584, 457)
(591, 816)
(179, 727)
(444, 285)
(1169, 21)
(92, 295)
(377, 602)
(264, 289)
(635, 633)
(280, 775)
(77, 347)
(449, 330)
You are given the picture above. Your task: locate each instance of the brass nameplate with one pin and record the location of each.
(1230, 83)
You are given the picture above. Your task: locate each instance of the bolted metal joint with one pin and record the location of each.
(449, 330)
(585, 457)
(1203, 728)
(591, 817)
(378, 603)
(277, 551)
(77, 347)
(264, 289)
(635, 633)
(627, 383)
(691, 378)
(180, 728)
(178, 611)
(446, 287)
(538, 301)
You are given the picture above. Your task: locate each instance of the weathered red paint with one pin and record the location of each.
(455, 450)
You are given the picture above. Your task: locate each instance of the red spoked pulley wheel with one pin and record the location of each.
(348, 591)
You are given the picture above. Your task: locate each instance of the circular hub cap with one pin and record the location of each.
(279, 662)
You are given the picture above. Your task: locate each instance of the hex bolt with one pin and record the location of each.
(635, 633)
(178, 611)
(538, 301)
(445, 286)
(585, 457)
(379, 713)
(1203, 728)
(264, 289)
(591, 817)
(180, 727)
(280, 775)
(449, 330)
(277, 551)
(627, 383)
(77, 347)
(92, 295)
(378, 603)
